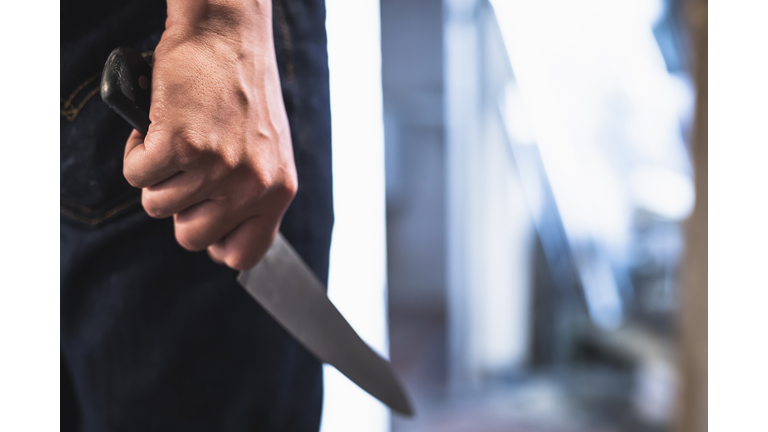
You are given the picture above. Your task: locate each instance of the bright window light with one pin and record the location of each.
(357, 279)
(606, 115)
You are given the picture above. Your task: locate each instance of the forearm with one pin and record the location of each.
(229, 13)
(227, 35)
(248, 23)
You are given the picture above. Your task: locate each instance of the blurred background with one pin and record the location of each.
(540, 200)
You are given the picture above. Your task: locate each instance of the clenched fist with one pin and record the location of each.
(217, 155)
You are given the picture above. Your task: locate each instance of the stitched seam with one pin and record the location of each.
(95, 221)
(285, 31)
(79, 206)
(70, 112)
(88, 210)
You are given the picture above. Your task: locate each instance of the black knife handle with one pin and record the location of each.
(126, 85)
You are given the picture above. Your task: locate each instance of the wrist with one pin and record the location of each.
(229, 18)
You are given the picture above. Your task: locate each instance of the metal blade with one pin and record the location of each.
(286, 287)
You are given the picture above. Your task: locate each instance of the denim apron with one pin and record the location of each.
(154, 337)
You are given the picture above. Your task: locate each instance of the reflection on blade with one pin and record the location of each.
(284, 285)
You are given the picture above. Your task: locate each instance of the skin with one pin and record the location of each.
(217, 156)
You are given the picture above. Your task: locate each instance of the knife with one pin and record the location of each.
(281, 282)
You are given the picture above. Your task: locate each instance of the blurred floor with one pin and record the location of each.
(417, 350)
(581, 398)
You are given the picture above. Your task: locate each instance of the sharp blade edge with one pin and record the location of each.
(289, 291)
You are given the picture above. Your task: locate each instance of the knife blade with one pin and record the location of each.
(281, 282)
(286, 287)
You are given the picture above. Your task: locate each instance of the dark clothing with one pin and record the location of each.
(154, 337)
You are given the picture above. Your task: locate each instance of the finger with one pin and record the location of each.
(174, 195)
(204, 224)
(134, 139)
(244, 247)
(213, 258)
(146, 162)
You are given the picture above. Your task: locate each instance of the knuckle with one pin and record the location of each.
(290, 187)
(237, 261)
(191, 148)
(131, 176)
(152, 207)
(189, 156)
(187, 240)
(250, 192)
(258, 187)
(218, 172)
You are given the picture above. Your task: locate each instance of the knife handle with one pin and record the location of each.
(126, 86)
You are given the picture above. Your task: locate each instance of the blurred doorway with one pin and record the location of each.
(538, 179)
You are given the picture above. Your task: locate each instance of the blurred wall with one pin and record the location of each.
(412, 79)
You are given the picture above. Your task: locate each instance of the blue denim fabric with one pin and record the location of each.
(154, 337)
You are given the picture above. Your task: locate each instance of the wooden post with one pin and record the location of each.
(693, 411)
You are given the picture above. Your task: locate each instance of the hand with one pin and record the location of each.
(217, 156)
